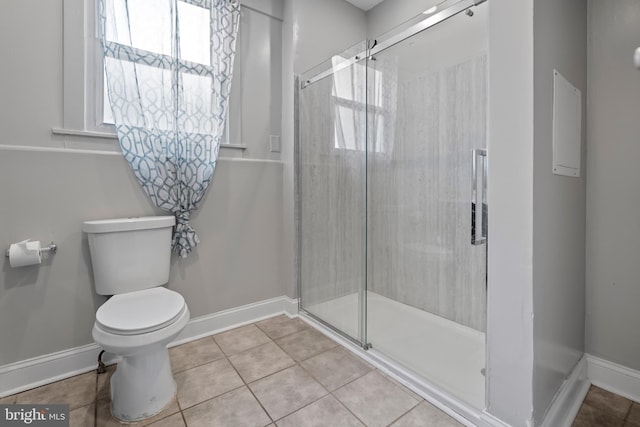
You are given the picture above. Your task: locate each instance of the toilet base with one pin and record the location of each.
(142, 385)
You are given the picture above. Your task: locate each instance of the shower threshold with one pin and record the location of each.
(446, 354)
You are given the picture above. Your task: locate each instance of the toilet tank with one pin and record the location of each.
(130, 254)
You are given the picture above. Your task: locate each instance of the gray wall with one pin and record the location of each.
(560, 34)
(613, 198)
(391, 13)
(324, 28)
(48, 189)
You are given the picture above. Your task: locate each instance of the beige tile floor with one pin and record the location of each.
(277, 371)
(282, 372)
(605, 409)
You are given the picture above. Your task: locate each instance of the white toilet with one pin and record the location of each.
(131, 260)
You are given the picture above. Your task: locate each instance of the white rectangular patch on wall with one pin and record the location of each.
(567, 127)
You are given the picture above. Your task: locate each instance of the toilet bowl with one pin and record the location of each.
(130, 259)
(134, 326)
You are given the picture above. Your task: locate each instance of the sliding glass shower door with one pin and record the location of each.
(332, 192)
(392, 197)
(426, 278)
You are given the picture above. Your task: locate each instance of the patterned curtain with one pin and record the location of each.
(168, 66)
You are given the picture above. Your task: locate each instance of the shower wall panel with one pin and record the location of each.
(419, 188)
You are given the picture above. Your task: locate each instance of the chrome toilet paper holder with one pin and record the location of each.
(52, 248)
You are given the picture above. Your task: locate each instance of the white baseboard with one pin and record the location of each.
(491, 420)
(567, 402)
(30, 373)
(27, 374)
(221, 321)
(615, 378)
(590, 370)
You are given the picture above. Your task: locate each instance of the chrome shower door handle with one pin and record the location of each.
(475, 239)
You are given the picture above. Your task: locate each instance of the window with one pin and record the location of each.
(194, 47)
(148, 34)
(257, 67)
(140, 38)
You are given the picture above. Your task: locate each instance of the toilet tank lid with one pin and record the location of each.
(128, 224)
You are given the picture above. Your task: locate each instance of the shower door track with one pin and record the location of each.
(364, 346)
(378, 46)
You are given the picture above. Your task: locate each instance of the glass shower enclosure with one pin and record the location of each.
(391, 171)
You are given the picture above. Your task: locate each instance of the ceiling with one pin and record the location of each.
(364, 4)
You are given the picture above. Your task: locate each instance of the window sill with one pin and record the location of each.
(234, 146)
(85, 133)
(108, 135)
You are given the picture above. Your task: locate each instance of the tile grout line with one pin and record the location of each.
(238, 373)
(600, 411)
(345, 406)
(296, 363)
(314, 355)
(211, 398)
(337, 344)
(356, 357)
(184, 419)
(329, 393)
(299, 363)
(199, 365)
(343, 385)
(626, 418)
(305, 406)
(95, 402)
(246, 349)
(405, 413)
(373, 369)
(272, 373)
(227, 356)
(251, 391)
(305, 326)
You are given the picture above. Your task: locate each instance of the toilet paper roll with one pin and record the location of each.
(25, 253)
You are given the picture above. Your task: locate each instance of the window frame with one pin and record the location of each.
(82, 58)
(83, 75)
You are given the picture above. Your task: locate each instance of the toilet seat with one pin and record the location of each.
(140, 312)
